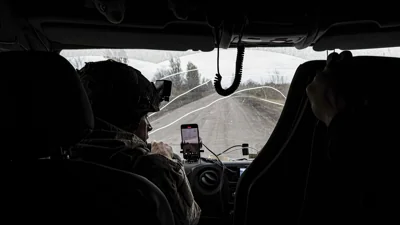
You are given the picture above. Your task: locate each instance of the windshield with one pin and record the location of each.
(247, 116)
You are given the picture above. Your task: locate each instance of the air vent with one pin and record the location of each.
(209, 180)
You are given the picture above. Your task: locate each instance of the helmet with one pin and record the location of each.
(119, 94)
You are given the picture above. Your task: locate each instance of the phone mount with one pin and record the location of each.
(191, 152)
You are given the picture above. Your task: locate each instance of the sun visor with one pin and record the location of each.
(358, 36)
(179, 37)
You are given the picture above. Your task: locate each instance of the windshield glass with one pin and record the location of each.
(247, 116)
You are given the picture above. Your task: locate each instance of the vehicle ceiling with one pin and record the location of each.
(76, 24)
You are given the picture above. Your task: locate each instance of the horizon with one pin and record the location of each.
(260, 65)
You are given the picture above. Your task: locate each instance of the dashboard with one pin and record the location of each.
(214, 186)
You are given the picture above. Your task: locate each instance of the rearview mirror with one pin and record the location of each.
(163, 88)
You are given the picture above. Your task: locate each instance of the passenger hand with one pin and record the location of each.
(323, 90)
(162, 149)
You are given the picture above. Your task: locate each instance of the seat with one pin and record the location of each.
(276, 178)
(45, 111)
(290, 181)
(352, 179)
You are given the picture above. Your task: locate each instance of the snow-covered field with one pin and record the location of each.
(148, 69)
(258, 65)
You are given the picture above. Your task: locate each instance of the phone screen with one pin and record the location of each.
(190, 135)
(190, 139)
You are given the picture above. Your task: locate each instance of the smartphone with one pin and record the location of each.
(190, 140)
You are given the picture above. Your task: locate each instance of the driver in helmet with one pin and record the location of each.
(121, 97)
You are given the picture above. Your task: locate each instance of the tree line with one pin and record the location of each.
(184, 81)
(277, 82)
(191, 77)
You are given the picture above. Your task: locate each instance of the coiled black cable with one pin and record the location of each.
(238, 73)
(239, 64)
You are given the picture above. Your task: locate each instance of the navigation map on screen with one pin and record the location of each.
(190, 136)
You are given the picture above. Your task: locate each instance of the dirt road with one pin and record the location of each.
(223, 122)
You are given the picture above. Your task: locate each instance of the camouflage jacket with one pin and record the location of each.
(111, 146)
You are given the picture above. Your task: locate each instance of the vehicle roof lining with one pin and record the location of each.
(120, 37)
(152, 25)
(361, 35)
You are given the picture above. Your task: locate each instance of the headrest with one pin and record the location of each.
(44, 105)
(370, 77)
(375, 76)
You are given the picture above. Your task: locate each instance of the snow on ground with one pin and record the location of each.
(259, 66)
(148, 69)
